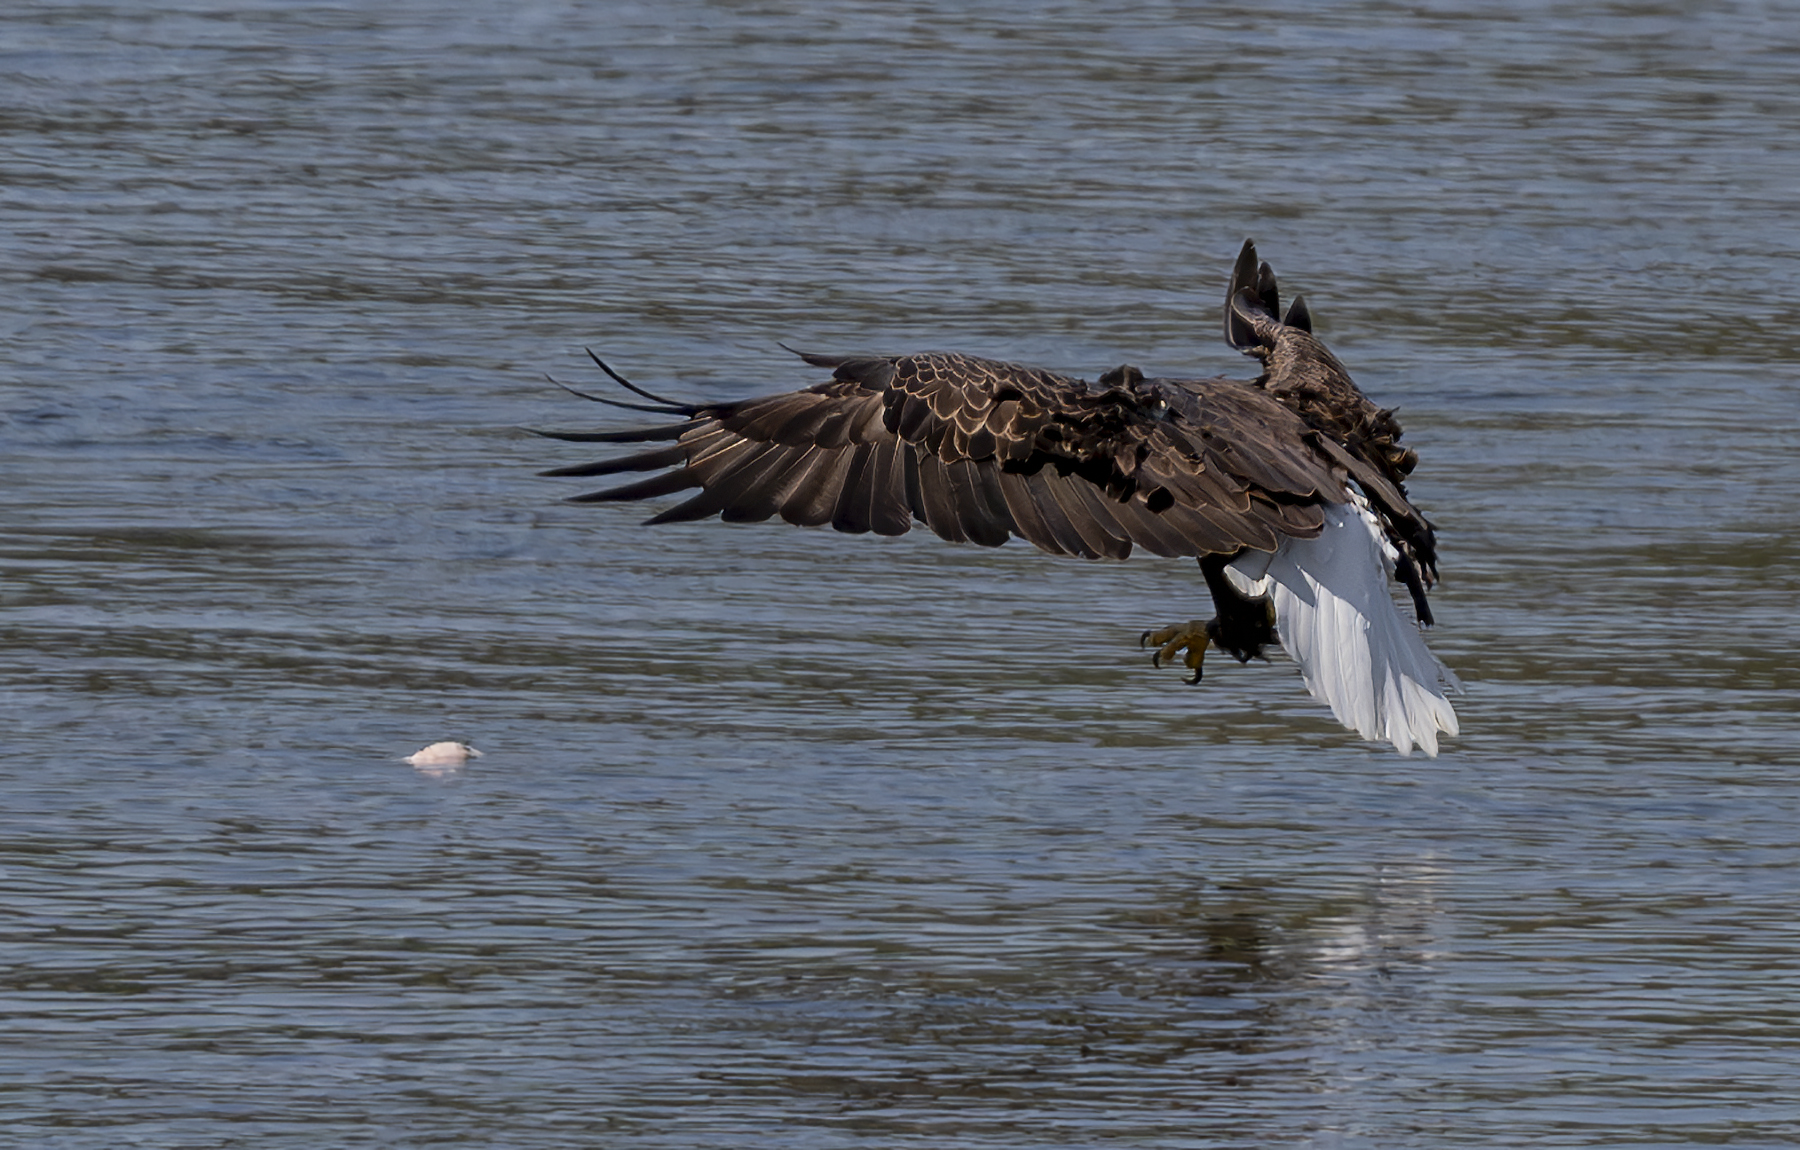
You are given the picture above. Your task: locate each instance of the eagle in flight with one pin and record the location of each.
(1289, 489)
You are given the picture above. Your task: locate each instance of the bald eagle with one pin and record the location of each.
(1288, 489)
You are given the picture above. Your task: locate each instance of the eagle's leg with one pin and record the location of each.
(1242, 627)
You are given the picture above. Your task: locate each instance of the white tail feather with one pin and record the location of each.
(1336, 619)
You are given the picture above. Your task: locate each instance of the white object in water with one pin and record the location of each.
(444, 754)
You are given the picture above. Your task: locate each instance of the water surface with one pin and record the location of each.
(830, 841)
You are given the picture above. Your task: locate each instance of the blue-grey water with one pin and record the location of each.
(821, 841)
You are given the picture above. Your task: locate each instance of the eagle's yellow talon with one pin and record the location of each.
(1172, 641)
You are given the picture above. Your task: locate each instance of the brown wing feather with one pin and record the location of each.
(1021, 508)
(934, 505)
(765, 481)
(982, 509)
(815, 493)
(981, 451)
(890, 512)
(851, 513)
(1065, 536)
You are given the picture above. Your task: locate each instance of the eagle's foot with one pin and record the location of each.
(1192, 637)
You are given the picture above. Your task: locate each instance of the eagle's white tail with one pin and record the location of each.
(1336, 619)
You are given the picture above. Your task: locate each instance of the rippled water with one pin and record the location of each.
(829, 841)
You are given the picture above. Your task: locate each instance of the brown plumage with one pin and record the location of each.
(981, 451)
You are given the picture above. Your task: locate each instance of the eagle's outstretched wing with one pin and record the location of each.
(980, 451)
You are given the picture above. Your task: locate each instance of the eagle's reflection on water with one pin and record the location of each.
(1246, 990)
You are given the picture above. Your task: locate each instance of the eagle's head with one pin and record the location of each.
(1301, 372)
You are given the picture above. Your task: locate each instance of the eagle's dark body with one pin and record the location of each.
(981, 451)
